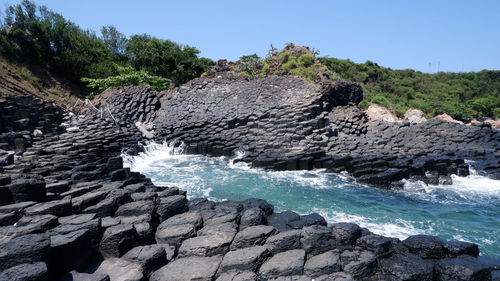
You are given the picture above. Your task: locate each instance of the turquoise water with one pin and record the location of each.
(468, 210)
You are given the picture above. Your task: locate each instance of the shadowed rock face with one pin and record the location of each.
(287, 123)
(270, 116)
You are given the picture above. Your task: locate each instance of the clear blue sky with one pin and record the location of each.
(461, 35)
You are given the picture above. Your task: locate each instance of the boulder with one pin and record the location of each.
(57, 208)
(267, 208)
(135, 208)
(448, 118)
(208, 245)
(170, 206)
(425, 246)
(284, 264)
(380, 113)
(25, 272)
(76, 276)
(174, 234)
(28, 188)
(151, 257)
(191, 217)
(375, 243)
(345, 234)
(246, 259)
(31, 248)
(187, 269)
(415, 116)
(251, 217)
(121, 270)
(358, 263)
(323, 264)
(252, 236)
(406, 267)
(462, 268)
(317, 239)
(284, 241)
(63, 248)
(280, 221)
(118, 240)
(237, 275)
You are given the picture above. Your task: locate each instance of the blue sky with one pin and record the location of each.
(459, 35)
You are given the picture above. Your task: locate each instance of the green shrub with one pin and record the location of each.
(127, 76)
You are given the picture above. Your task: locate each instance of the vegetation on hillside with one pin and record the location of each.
(462, 95)
(35, 35)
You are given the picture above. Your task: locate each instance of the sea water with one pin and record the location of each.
(468, 210)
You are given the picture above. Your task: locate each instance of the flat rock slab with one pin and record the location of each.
(76, 276)
(463, 267)
(30, 248)
(284, 241)
(210, 245)
(151, 257)
(25, 272)
(244, 259)
(284, 264)
(121, 270)
(237, 275)
(406, 267)
(323, 264)
(191, 217)
(187, 269)
(174, 234)
(136, 208)
(57, 208)
(252, 236)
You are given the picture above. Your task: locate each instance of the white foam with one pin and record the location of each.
(471, 189)
(399, 228)
(153, 153)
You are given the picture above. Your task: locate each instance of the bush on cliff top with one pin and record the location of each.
(293, 60)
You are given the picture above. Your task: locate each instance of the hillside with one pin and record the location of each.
(20, 80)
(461, 95)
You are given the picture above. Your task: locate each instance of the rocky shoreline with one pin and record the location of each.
(69, 210)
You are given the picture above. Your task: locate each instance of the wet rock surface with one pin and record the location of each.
(69, 192)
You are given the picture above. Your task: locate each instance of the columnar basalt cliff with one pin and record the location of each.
(287, 123)
(69, 210)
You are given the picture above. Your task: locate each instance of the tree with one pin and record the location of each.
(165, 58)
(114, 40)
(251, 65)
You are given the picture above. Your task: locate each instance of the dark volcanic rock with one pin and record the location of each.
(287, 263)
(192, 268)
(63, 248)
(118, 240)
(24, 249)
(464, 268)
(25, 272)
